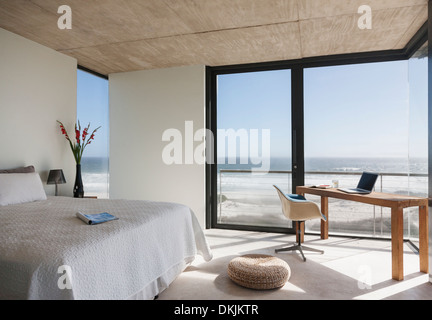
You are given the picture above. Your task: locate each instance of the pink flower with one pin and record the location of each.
(78, 147)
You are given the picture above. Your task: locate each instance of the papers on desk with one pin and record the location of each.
(321, 186)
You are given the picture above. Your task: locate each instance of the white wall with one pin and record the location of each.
(143, 104)
(37, 87)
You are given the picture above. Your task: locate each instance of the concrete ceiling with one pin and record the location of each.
(110, 36)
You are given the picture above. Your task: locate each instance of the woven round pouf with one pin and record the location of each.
(259, 271)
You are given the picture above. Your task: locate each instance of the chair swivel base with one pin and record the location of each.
(299, 248)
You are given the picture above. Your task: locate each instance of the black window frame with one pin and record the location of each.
(297, 67)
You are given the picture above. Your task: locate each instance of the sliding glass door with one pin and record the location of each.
(367, 117)
(317, 122)
(253, 147)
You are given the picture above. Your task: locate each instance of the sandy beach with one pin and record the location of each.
(252, 200)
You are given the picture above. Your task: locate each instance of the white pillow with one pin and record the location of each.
(20, 188)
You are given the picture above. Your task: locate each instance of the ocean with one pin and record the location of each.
(250, 199)
(380, 165)
(95, 175)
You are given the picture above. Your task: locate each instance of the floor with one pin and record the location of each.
(350, 268)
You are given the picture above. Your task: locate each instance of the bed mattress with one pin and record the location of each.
(46, 252)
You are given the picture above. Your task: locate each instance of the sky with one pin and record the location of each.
(257, 100)
(363, 110)
(93, 108)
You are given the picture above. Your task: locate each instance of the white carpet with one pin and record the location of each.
(350, 268)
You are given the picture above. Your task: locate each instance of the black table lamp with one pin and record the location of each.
(56, 177)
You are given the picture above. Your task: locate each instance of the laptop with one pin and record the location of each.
(365, 185)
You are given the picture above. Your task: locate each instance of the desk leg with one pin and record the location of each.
(324, 224)
(397, 242)
(424, 238)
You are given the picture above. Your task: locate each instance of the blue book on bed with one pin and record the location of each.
(96, 218)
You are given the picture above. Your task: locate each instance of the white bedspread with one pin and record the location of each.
(143, 251)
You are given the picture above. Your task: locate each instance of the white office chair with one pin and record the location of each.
(296, 208)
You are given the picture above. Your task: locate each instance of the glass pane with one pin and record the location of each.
(92, 107)
(418, 135)
(253, 147)
(357, 119)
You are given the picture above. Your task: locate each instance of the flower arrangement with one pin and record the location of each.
(81, 139)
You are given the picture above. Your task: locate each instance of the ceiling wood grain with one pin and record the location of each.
(110, 36)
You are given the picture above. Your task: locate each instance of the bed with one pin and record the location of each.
(46, 252)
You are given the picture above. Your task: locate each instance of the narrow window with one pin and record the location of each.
(92, 107)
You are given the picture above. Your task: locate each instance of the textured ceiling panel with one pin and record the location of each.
(110, 36)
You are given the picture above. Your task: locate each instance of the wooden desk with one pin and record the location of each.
(397, 203)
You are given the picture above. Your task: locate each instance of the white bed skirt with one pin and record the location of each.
(154, 288)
